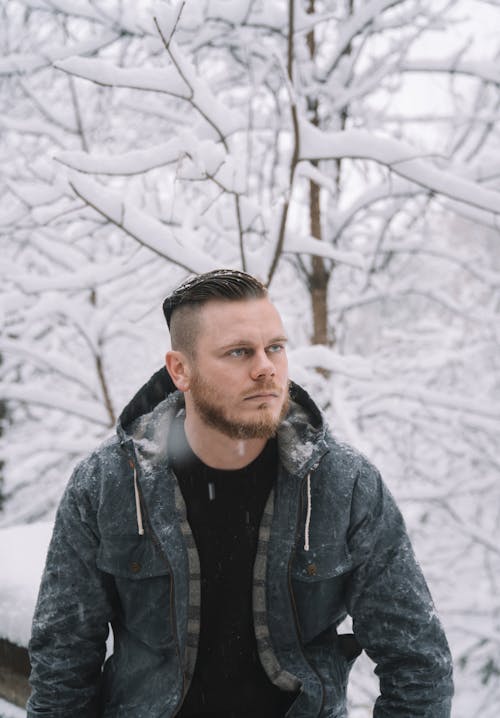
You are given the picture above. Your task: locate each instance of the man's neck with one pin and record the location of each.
(216, 449)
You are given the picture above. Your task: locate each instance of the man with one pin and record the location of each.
(224, 534)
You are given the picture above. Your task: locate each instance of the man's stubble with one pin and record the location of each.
(209, 404)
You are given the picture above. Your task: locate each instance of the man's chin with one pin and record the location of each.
(260, 423)
(257, 430)
(264, 426)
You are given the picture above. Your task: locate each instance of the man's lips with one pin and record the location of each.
(262, 395)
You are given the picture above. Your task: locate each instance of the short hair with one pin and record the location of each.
(180, 307)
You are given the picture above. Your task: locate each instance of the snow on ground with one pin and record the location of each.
(22, 558)
(7, 710)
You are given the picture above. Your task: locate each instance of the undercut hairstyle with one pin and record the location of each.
(181, 308)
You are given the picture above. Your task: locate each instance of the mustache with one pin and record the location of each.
(264, 387)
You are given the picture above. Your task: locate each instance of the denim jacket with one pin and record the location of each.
(331, 542)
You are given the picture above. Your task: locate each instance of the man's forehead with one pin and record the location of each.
(240, 307)
(242, 318)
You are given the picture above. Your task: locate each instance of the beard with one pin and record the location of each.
(209, 403)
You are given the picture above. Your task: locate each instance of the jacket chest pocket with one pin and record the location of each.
(319, 578)
(142, 579)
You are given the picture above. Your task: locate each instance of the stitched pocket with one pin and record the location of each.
(319, 579)
(142, 580)
(321, 562)
(133, 557)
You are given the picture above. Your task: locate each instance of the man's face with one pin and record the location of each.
(239, 375)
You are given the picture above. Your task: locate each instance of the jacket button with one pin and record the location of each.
(311, 569)
(135, 567)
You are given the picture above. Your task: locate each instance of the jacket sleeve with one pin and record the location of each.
(393, 615)
(70, 624)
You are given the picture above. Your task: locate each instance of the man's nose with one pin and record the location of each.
(262, 365)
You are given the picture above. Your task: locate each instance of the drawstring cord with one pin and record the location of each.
(308, 514)
(140, 527)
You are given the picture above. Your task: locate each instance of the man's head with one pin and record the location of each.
(228, 354)
(181, 308)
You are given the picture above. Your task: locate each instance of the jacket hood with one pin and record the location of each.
(301, 435)
(154, 391)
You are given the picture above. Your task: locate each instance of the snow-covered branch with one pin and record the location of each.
(56, 362)
(87, 276)
(400, 157)
(357, 22)
(433, 296)
(127, 163)
(485, 71)
(299, 244)
(381, 391)
(144, 228)
(102, 72)
(24, 64)
(89, 410)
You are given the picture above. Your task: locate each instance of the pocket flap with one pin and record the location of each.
(133, 557)
(321, 562)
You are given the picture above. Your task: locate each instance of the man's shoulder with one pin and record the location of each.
(101, 489)
(107, 461)
(345, 455)
(347, 466)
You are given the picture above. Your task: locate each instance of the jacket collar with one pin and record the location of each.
(147, 417)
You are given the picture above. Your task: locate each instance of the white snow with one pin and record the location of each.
(487, 71)
(309, 171)
(22, 559)
(401, 157)
(298, 244)
(8, 710)
(233, 12)
(127, 163)
(90, 410)
(35, 193)
(61, 365)
(365, 14)
(149, 231)
(325, 358)
(31, 125)
(106, 73)
(87, 275)
(24, 63)
(187, 86)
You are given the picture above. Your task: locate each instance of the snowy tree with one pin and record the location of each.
(3, 413)
(344, 152)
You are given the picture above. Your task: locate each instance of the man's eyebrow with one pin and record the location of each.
(247, 342)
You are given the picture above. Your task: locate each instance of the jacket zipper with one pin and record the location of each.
(290, 590)
(173, 615)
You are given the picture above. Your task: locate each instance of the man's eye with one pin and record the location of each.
(238, 352)
(275, 348)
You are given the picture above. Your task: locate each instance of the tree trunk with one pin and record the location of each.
(319, 276)
(320, 273)
(14, 672)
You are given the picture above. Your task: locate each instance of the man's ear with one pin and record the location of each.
(178, 367)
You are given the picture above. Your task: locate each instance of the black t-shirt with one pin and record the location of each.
(224, 509)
